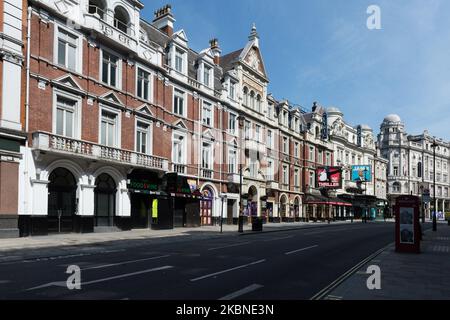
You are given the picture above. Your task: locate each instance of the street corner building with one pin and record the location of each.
(111, 122)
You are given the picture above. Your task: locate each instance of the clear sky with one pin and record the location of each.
(322, 51)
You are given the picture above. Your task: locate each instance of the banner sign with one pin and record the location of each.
(329, 177)
(362, 173)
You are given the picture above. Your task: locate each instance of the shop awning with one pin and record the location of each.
(321, 200)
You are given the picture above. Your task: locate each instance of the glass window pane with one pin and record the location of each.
(103, 133)
(61, 52)
(105, 71)
(72, 55)
(69, 124)
(113, 75)
(59, 122)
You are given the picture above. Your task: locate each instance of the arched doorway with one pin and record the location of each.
(283, 207)
(252, 202)
(105, 200)
(61, 201)
(207, 206)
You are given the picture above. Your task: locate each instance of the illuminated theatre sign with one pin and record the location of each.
(329, 177)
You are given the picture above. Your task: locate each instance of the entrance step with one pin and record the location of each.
(106, 229)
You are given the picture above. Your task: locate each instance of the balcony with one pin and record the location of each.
(112, 28)
(207, 173)
(272, 185)
(52, 143)
(179, 168)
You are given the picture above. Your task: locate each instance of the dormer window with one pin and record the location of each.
(121, 20)
(207, 75)
(179, 58)
(232, 90)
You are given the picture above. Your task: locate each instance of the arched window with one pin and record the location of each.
(258, 103)
(252, 99)
(121, 19)
(419, 169)
(97, 7)
(396, 187)
(317, 133)
(245, 96)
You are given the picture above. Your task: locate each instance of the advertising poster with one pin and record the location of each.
(362, 173)
(329, 177)
(407, 225)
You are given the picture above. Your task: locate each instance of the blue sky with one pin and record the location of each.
(322, 51)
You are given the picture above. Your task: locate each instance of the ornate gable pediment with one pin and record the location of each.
(253, 59)
(179, 124)
(111, 97)
(68, 81)
(146, 110)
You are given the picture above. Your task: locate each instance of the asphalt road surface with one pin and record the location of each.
(281, 265)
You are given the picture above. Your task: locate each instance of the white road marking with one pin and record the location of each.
(230, 246)
(299, 250)
(124, 263)
(63, 283)
(227, 270)
(241, 292)
(275, 239)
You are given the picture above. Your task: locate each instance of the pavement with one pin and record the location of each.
(74, 239)
(424, 276)
(292, 264)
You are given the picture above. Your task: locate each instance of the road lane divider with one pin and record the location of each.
(227, 270)
(300, 250)
(126, 275)
(241, 292)
(124, 263)
(230, 246)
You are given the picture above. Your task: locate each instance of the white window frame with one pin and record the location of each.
(234, 131)
(79, 50)
(118, 133)
(150, 89)
(205, 66)
(212, 113)
(77, 112)
(270, 170)
(285, 141)
(149, 135)
(232, 149)
(296, 177)
(118, 72)
(258, 131)
(296, 149)
(270, 139)
(210, 159)
(178, 133)
(285, 173)
(185, 104)
(184, 55)
(232, 89)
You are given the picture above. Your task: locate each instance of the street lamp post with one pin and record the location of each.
(434, 145)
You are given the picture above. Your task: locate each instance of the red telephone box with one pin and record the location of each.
(407, 224)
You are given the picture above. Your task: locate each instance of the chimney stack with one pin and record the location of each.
(164, 20)
(215, 49)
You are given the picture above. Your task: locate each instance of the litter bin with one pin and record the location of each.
(257, 224)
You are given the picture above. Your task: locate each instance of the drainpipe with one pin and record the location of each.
(27, 107)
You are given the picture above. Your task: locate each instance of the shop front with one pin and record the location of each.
(150, 207)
